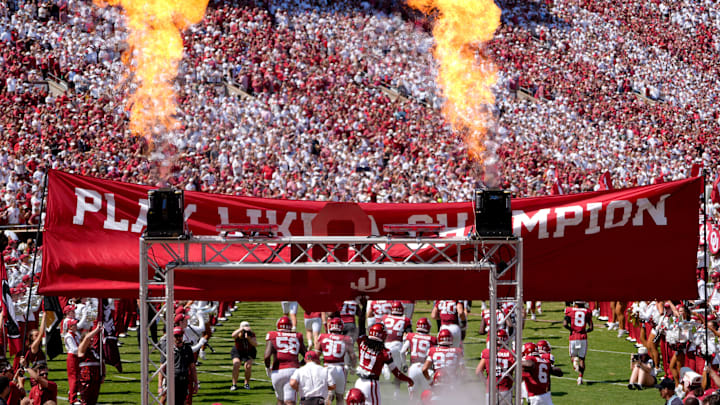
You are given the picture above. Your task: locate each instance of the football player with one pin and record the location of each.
(313, 325)
(334, 347)
(376, 309)
(504, 360)
(372, 357)
(396, 325)
(355, 397)
(545, 351)
(419, 344)
(578, 321)
(536, 371)
(285, 346)
(452, 316)
(348, 314)
(444, 356)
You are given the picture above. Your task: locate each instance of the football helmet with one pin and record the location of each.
(502, 335)
(423, 325)
(529, 348)
(335, 325)
(284, 324)
(445, 337)
(397, 308)
(543, 346)
(355, 397)
(377, 332)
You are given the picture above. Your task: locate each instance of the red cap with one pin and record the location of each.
(26, 278)
(68, 308)
(71, 321)
(179, 310)
(312, 355)
(178, 331)
(711, 317)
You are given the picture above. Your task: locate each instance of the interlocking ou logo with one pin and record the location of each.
(714, 238)
(371, 284)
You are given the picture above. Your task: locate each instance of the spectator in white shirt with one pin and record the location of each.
(312, 381)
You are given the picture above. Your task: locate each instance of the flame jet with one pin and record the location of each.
(465, 77)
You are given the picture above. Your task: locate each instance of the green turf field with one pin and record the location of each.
(606, 375)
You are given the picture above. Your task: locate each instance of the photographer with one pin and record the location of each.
(44, 390)
(244, 352)
(642, 370)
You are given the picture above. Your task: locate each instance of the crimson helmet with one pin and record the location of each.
(445, 337)
(543, 346)
(397, 308)
(502, 335)
(423, 325)
(529, 348)
(377, 332)
(355, 397)
(284, 324)
(335, 325)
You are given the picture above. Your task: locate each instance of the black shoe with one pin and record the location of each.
(638, 387)
(631, 386)
(247, 386)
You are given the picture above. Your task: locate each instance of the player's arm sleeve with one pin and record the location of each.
(590, 325)
(556, 371)
(268, 352)
(426, 368)
(405, 346)
(480, 367)
(434, 313)
(566, 322)
(401, 376)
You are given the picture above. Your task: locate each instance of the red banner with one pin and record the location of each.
(637, 243)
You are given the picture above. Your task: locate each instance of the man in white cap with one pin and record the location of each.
(244, 352)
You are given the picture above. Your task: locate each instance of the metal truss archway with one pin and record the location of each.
(320, 253)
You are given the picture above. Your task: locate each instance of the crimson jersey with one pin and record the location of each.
(420, 345)
(578, 322)
(505, 359)
(446, 357)
(396, 326)
(537, 377)
(548, 357)
(370, 363)
(348, 311)
(447, 309)
(501, 316)
(287, 347)
(334, 346)
(379, 308)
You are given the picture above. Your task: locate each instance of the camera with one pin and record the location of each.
(636, 357)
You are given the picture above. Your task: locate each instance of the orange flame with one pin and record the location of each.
(155, 50)
(464, 76)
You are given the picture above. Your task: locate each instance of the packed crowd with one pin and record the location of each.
(627, 88)
(315, 124)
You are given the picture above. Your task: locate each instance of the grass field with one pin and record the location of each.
(606, 374)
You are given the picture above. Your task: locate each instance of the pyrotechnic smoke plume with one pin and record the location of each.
(465, 77)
